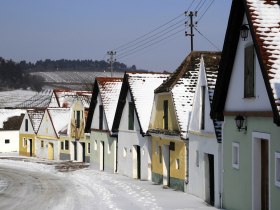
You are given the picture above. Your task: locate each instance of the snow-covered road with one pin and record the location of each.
(36, 184)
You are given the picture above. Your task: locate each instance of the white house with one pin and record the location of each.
(205, 135)
(47, 141)
(10, 121)
(132, 121)
(103, 154)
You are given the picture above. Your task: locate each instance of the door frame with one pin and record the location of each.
(257, 137)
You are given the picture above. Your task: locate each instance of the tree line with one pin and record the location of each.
(12, 76)
(73, 65)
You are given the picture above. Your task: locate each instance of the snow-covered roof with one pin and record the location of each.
(60, 118)
(265, 17)
(66, 98)
(109, 89)
(5, 114)
(35, 117)
(14, 98)
(40, 100)
(182, 83)
(142, 86)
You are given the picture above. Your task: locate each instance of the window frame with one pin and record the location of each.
(235, 157)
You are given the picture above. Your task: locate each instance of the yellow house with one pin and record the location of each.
(28, 131)
(169, 124)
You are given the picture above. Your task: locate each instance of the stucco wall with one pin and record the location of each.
(42, 152)
(25, 149)
(13, 137)
(238, 182)
(109, 156)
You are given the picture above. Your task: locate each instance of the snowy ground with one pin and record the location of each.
(32, 183)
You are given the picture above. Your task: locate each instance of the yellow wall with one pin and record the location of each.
(77, 133)
(158, 122)
(179, 153)
(23, 149)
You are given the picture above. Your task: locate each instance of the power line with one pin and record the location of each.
(144, 40)
(148, 41)
(121, 46)
(206, 10)
(207, 39)
(152, 44)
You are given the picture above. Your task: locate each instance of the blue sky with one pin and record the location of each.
(38, 29)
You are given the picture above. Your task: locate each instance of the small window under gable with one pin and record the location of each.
(26, 124)
(100, 117)
(249, 72)
(78, 119)
(165, 114)
(235, 155)
(130, 116)
(202, 107)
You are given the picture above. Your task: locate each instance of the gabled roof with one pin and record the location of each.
(35, 117)
(11, 119)
(264, 23)
(211, 73)
(60, 118)
(182, 83)
(40, 100)
(109, 89)
(66, 98)
(141, 87)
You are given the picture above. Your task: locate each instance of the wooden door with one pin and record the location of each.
(50, 151)
(264, 175)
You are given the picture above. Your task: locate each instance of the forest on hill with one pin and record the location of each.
(19, 75)
(73, 65)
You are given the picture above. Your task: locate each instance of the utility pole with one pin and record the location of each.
(111, 60)
(191, 14)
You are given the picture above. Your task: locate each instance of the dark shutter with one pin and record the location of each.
(100, 117)
(131, 116)
(26, 124)
(249, 72)
(78, 119)
(172, 146)
(165, 114)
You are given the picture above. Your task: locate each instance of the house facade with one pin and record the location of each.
(10, 122)
(28, 131)
(205, 136)
(131, 122)
(103, 152)
(169, 124)
(247, 99)
(74, 143)
(53, 122)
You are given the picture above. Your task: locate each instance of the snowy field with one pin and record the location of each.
(32, 183)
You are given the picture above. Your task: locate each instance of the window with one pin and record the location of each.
(26, 124)
(42, 144)
(88, 148)
(235, 155)
(160, 154)
(78, 119)
(131, 116)
(197, 159)
(66, 144)
(100, 117)
(124, 152)
(277, 169)
(177, 164)
(165, 114)
(7, 141)
(62, 145)
(249, 72)
(95, 144)
(24, 142)
(202, 108)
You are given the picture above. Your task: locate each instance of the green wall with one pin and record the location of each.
(237, 183)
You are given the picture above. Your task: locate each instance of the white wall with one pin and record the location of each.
(46, 128)
(13, 136)
(235, 97)
(95, 119)
(30, 127)
(127, 139)
(42, 152)
(197, 180)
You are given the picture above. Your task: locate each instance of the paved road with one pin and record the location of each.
(37, 185)
(20, 189)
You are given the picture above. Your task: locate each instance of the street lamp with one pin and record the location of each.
(239, 121)
(244, 30)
